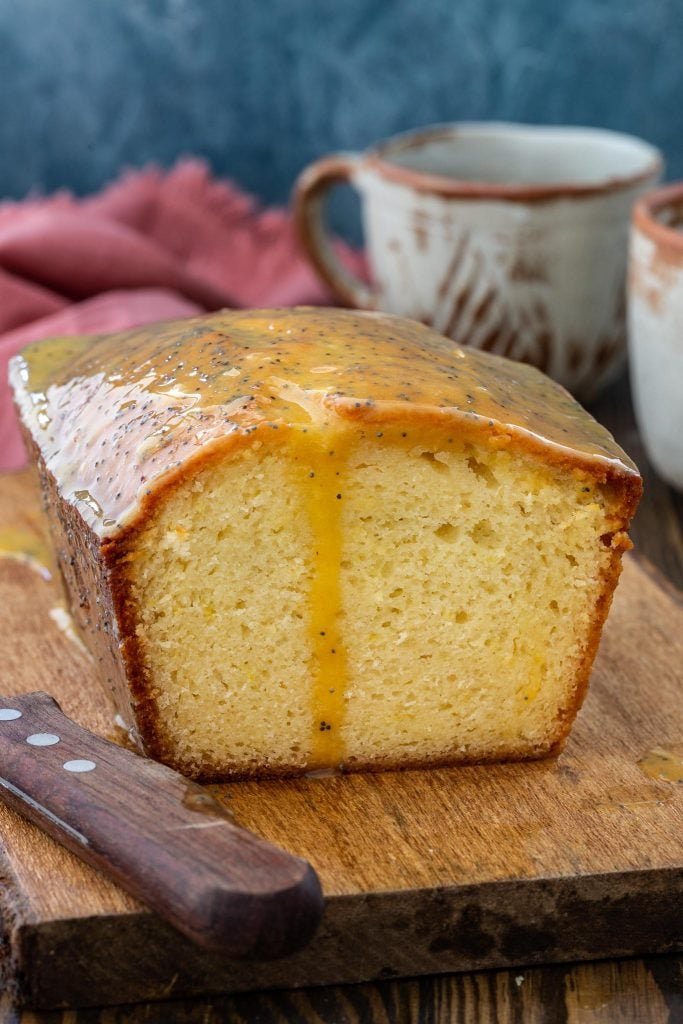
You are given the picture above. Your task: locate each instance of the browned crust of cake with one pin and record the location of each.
(93, 591)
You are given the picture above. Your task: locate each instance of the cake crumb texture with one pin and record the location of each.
(464, 592)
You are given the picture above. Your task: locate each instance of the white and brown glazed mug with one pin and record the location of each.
(656, 327)
(510, 238)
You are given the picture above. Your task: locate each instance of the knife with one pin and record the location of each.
(159, 835)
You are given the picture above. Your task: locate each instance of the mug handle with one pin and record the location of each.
(310, 193)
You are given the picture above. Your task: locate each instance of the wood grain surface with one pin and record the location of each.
(611, 812)
(610, 992)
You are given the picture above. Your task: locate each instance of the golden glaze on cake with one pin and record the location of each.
(117, 424)
(116, 414)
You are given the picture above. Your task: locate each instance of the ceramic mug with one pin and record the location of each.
(510, 238)
(656, 327)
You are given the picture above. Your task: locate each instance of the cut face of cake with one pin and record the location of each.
(307, 539)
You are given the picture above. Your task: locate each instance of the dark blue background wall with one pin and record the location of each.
(260, 87)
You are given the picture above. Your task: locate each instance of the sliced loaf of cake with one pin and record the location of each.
(314, 539)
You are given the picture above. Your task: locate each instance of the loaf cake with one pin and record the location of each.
(304, 540)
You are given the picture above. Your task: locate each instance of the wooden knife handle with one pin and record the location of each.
(159, 835)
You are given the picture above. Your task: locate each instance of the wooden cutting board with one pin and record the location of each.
(424, 871)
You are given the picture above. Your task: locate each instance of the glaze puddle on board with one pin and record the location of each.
(27, 548)
(665, 765)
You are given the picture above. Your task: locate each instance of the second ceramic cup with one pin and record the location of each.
(510, 238)
(656, 327)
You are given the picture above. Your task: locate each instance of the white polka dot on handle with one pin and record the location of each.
(42, 739)
(79, 766)
(9, 714)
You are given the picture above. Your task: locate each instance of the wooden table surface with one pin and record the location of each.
(638, 991)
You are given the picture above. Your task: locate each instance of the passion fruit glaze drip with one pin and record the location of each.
(116, 415)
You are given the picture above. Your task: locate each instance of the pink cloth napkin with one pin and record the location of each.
(152, 246)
